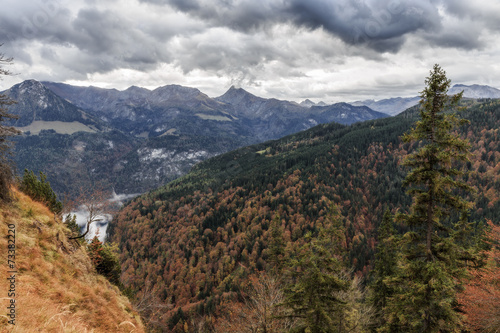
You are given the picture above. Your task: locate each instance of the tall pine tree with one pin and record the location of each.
(316, 279)
(276, 249)
(385, 268)
(430, 269)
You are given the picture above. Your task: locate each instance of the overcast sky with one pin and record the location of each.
(330, 50)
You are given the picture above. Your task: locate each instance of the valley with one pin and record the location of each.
(218, 174)
(293, 166)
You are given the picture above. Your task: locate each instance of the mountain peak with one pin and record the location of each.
(307, 103)
(475, 91)
(176, 89)
(233, 89)
(30, 84)
(135, 92)
(237, 95)
(137, 89)
(31, 88)
(30, 81)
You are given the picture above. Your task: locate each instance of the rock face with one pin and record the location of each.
(307, 103)
(172, 106)
(142, 112)
(272, 118)
(111, 140)
(37, 103)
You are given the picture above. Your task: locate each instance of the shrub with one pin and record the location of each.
(105, 260)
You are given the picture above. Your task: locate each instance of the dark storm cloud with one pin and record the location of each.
(105, 39)
(244, 16)
(33, 21)
(238, 40)
(184, 5)
(99, 31)
(105, 33)
(466, 39)
(379, 25)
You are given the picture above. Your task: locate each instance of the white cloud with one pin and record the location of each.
(288, 49)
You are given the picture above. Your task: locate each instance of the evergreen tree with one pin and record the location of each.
(70, 221)
(312, 296)
(425, 299)
(276, 246)
(104, 257)
(384, 269)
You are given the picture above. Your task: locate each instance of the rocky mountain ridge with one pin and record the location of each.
(138, 139)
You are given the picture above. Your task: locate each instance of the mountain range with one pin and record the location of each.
(394, 106)
(138, 139)
(197, 240)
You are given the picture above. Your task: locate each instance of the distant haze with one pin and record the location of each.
(101, 225)
(395, 105)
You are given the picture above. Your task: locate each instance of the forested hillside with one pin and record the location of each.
(197, 240)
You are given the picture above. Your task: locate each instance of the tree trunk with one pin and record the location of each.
(430, 217)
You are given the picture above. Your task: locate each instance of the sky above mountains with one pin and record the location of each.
(333, 51)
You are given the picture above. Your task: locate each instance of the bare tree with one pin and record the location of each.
(6, 173)
(149, 305)
(96, 205)
(358, 314)
(260, 312)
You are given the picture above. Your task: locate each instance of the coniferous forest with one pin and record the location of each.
(388, 225)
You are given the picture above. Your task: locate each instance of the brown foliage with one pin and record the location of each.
(481, 297)
(260, 312)
(203, 245)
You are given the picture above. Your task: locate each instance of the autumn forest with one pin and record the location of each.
(389, 225)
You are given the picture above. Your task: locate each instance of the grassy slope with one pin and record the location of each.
(60, 127)
(57, 289)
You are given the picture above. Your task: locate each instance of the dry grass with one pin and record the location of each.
(57, 289)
